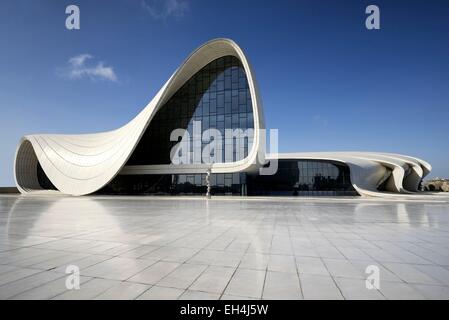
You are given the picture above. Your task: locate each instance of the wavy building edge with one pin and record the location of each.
(85, 163)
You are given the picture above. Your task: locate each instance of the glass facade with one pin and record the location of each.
(304, 178)
(177, 184)
(293, 178)
(218, 96)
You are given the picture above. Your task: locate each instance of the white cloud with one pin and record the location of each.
(79, 60)
(162, 9)
(78, 69)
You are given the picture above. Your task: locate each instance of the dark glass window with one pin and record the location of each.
(209, 93)
(293, 178)
(177, 184)
(304, 178)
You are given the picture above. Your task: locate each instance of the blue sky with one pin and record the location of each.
(327, 82)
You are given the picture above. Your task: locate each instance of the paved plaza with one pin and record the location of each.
(223, 248)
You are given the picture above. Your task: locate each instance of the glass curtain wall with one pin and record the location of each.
(218, 97)
(293, 178)
(177, 184)
(304, 178)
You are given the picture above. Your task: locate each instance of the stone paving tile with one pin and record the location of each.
(281, 263)
(122, 248)
(410, 274)
(118, 268)
(49, 290)
(355, 289)
(14, 257)
(281, 286)
(198, 295)
(281, 244)
(238, 246)
(246, 283)
(6, 268)
(343, 268)
(227, 259)
(433, 292)
(319, 287)
(7, 247)
(399, 291)
(65, 244)
(305, 251)
(39, 258)
(161, 293)
(103, 247)
(123, 291)
(84, 263)
(171, 254)
(88, 290)
(206, 257)
(16, 274)
(154, 273)
(19, 241)
(311, 265)
(62, 260)
(381, 255)
(220, 243)
(438, 273)
(329, 252)
(138, 252)
(213, 280)
(183, 276)
(352, 253)
(33, 281)
(255, 261)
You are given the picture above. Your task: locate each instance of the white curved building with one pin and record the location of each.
(214, 88)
